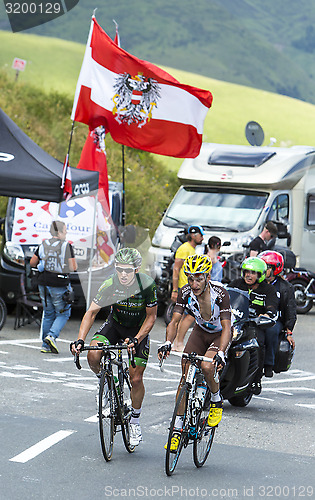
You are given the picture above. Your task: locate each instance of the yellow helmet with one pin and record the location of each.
(195, 264)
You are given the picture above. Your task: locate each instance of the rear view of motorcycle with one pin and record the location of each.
(242, 359)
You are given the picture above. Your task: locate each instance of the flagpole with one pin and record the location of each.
(123, 183)
(88, 294)
(71, 135)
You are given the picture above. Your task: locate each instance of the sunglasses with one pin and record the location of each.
(127, 270)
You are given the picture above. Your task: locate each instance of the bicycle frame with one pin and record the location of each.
(113, 411)
(194, 421)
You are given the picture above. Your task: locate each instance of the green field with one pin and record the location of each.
(54, 64)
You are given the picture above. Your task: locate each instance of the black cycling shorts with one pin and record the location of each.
(112, 332)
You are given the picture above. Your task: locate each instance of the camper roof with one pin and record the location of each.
(247, 166)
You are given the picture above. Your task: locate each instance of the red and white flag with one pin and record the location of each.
(141, 105)
(93, 157)
(66, 182)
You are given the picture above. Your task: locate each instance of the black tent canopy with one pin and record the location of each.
(26, 171)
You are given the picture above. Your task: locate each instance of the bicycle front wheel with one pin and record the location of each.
(106, 415)
(204, 437)
(172, 457)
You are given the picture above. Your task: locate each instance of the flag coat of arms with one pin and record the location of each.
(141, 105)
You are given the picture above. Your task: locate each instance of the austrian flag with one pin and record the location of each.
(141, 105)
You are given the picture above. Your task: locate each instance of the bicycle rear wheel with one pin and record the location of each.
(204, 436)
(106, 415)
(171, 458)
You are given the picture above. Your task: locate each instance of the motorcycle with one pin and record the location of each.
(242, 359)
(303, 282)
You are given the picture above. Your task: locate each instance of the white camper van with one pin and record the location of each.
(233, 190)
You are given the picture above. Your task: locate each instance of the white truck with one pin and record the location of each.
(233, 190)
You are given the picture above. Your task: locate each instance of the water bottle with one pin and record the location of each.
(201, 391)
(116, 381)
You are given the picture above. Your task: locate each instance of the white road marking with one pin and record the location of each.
(278, 391)
(159, 379)
(312, 407)
(41, 446)
(157, 368)
(77, 385)
(260, 397)
(165, 393)
(93, 419)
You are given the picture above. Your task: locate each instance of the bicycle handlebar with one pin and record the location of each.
(104, 348)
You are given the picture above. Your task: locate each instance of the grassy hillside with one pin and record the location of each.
(268, 45)
(54, 64)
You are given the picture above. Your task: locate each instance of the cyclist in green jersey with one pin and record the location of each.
(133, 300)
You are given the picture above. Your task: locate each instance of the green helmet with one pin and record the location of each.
(255, 264)
(129, 256)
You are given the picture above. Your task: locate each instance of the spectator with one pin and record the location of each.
(55, 259)
(214, 246)
(259, 244)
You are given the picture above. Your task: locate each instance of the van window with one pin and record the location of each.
(230, 210)
(311, 210)
(279, 210)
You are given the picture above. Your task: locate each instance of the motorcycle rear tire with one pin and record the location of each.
(241, 400)
(303, 305)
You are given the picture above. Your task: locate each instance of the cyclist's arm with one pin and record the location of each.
(86, 323)
(226, 334)
(177, 267)
(172, 327)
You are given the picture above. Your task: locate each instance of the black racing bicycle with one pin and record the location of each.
(114, 404)
(192, 404)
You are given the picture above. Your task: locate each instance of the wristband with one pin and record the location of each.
(175, 291)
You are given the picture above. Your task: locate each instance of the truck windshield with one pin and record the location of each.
(230, 210)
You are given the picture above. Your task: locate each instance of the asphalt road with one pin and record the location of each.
(49, 435)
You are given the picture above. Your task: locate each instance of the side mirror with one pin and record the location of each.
(282, 230)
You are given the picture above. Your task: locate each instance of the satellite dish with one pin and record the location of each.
(254, 134)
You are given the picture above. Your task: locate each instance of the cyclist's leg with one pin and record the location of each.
(216, 403)
(106, 334)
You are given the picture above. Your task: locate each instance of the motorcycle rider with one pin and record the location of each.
(263, 302)
(287, 307)
(209, 303)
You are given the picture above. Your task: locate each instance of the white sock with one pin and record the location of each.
(135, 415)
(215, 397)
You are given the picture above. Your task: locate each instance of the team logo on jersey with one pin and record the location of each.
(135, 98)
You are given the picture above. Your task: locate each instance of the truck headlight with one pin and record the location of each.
(14, 253)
